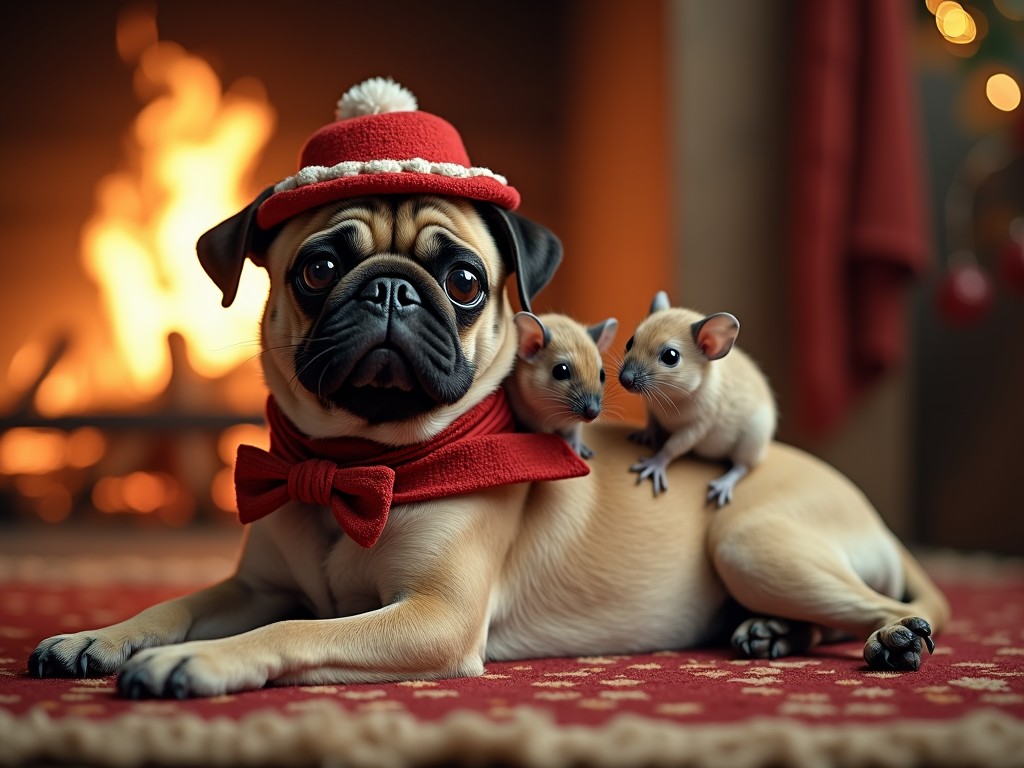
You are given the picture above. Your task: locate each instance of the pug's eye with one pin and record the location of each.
(561, 372)
(319, 274)
(463, 287)
(629, 344)
(670, 357)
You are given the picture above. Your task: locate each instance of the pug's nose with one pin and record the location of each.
(390, 293)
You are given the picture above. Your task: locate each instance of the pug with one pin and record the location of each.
(451, 539)
(582, 566)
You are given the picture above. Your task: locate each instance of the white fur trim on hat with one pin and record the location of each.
(314, 174)
(375, 96)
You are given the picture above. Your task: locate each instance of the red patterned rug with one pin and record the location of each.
(701, 707)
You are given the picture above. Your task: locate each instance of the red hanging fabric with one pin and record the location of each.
(859, 236)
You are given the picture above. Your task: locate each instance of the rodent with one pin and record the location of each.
(558, 381)
(702, 395)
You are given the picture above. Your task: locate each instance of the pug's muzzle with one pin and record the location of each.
(386, 342)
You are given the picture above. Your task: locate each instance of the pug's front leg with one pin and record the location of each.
(225, 608)
(416, 637)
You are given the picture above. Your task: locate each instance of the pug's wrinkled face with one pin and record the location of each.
(387, 317)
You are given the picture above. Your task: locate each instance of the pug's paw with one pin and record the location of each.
(770, 638)
(898, 646)
(82, 654)
(195, 669)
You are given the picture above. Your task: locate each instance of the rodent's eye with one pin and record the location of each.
(319, 274)
(561, 372)
(602, 375)
(463, 286)
(670, 357)
(629, 344)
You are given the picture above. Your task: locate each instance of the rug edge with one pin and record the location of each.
(529, 737)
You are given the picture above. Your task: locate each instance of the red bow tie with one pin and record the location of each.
(359, 479)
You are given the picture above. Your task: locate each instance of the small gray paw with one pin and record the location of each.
(898, 646)
(654, 469)
(720, 493)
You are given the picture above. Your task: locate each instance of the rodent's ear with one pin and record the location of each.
(532, 252)
(603, 334)
(660, 302)
(715, 334)
(222, 250)
(533, 336)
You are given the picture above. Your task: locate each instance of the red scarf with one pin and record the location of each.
(359, 479)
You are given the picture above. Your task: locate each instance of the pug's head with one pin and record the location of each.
(387, 316)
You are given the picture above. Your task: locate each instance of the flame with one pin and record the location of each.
(190, 151)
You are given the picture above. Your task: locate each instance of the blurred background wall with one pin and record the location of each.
(701, 148)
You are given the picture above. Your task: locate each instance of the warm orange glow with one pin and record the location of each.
(85, 447)
(136, 31)
(222, 490)
(106, 495)
(144, 491)
(61, 392)
(32, 451)
(1003, 92)
(41, 451)
(190, 152)
(26, 365)
(248, 434)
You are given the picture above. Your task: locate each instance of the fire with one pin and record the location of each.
(188, 157)
(190, 151)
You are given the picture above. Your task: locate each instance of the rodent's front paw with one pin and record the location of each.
(578, 447)
(720, 492)
(652, 467)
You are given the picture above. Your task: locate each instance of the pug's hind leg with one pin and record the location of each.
(775, 567)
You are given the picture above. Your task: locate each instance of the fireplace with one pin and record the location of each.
(134, 410)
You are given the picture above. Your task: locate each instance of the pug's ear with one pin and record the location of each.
(222, 250)
(530, 250)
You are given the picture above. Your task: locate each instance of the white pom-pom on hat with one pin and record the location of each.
(375, 96)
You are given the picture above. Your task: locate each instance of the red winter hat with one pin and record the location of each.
(381, 144)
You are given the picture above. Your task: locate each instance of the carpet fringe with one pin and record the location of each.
(328, 736)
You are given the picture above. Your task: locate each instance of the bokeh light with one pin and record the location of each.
(1003, 92)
